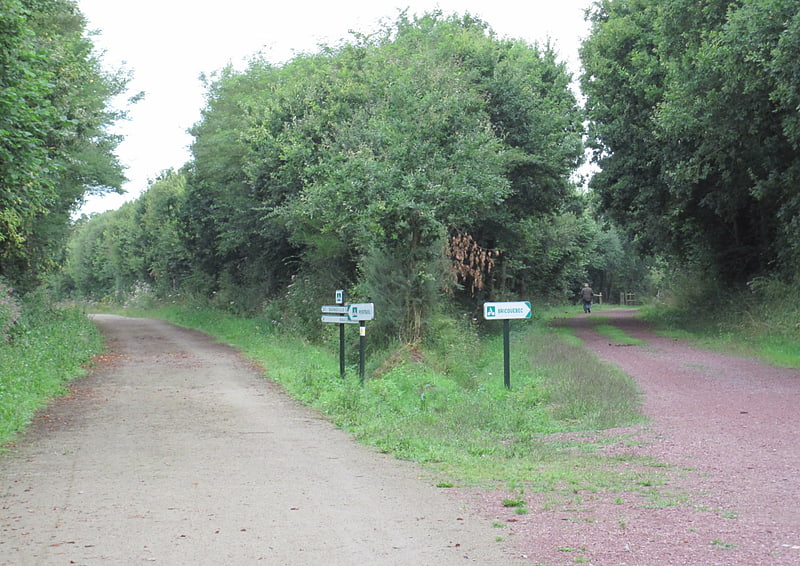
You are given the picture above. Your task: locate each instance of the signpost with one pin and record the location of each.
(339, 299)
(337, 314)
(341, 314)
(361, 313)
(505, 312)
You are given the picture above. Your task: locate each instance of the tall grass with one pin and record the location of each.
(443, 403)
(46, 348)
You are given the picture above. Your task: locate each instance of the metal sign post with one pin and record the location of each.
(340, 301)
(337, 314)
(361, 312)
(362, 347)
(505, 312)
(356, 313)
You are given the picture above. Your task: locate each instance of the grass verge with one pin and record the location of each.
(761, 322)
(47, 347)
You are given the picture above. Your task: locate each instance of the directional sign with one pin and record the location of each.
(500, 311)
(340, 319)
(361, 311)
(334, 309)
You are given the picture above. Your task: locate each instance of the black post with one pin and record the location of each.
(506, 355)
(340, 301)
(341, 350)
(362, 329)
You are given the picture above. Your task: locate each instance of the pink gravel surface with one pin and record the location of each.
(724, 433)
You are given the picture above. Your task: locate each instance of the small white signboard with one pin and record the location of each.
(501, 311)
(360, 311)
(337, 318)
(334, 309)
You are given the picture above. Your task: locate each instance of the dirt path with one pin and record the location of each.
(728, 430)
(176, 451)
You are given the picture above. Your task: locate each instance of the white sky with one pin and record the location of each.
(167, 44)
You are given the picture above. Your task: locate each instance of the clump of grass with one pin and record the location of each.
(617, 335)
(46, 348)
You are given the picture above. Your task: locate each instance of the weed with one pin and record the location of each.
(617, 335)
(756, 320)
(720, 545)
(10, 310)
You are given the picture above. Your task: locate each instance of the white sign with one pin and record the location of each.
(361, 311)
(340, 319)
(334, 309)
(500, 311)
(339, 296)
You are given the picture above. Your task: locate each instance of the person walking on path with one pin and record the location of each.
(587, 295)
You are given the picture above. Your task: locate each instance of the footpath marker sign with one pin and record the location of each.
(505, 312)
(337, 318)
(334, 309)
(358, 312)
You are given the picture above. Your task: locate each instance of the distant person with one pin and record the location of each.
(587, 296)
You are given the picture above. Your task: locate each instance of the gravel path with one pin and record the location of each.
(728, 433)
(176, 451)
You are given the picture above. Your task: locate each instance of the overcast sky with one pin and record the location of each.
(167, 44)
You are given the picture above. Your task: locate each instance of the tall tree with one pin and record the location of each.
(694, 111)
(54, 114)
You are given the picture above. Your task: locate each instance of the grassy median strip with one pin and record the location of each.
(445, 405)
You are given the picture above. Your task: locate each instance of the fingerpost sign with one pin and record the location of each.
(505, 312)
(337, 314)
(356, 313)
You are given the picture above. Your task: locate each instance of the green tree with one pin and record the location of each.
(455, 132)
(54, 144)
(235, 178)
(694, 110)
(158, 241)
(376, 165)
